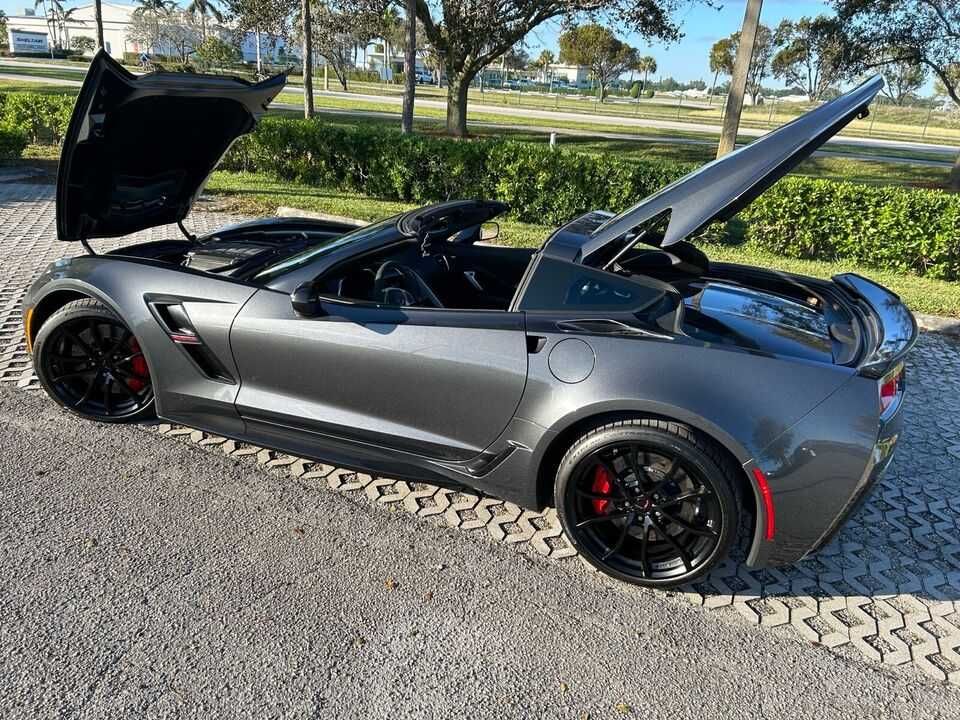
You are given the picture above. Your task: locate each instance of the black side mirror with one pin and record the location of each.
(306, 301)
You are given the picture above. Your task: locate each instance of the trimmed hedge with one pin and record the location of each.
(903, 229)
(542, 185)
(887, 227)
(13, 141)
(43, 118)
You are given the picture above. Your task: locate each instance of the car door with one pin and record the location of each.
(438, 383)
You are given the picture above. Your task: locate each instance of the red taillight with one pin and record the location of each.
(770, 526)
(890, 388)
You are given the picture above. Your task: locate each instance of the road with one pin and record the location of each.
(710, 129)
(146, 577)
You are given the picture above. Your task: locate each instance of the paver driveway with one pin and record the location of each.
(888, 587)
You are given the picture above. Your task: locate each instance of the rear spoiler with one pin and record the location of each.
(890, 327)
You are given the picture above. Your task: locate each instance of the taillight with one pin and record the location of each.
(891, 385)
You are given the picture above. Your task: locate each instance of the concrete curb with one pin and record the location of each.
(928, 323)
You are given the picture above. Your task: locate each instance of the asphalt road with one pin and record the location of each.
(145, 577)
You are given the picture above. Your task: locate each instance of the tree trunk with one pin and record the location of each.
(409, 68)
(738, 83)
(98, 14)
(458, 83)
(307, 59)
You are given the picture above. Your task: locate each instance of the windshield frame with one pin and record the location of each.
(360, 239)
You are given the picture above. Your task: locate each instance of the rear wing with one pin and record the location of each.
(890, 327)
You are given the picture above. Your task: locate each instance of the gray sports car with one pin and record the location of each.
(664, 403)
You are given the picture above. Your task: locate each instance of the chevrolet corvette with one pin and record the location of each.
(667, 406)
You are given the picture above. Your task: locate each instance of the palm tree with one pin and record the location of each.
(203, 8)
(543, 62)
(154, 8)
(646, 65)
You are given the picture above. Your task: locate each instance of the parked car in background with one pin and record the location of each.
(664, 403)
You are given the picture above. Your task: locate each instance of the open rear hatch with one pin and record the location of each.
(138, 150)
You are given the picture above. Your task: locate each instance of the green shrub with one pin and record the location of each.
(12, 142)
(886, 227)
(542, 185)
(635, 90)
(901, 229)
(648, 93)
(44, 118)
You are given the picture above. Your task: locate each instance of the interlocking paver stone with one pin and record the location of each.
(888, 585)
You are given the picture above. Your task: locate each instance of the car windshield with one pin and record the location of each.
(322, 247)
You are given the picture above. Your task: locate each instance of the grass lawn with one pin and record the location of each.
(255, 194)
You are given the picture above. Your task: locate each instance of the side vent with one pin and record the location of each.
(174, 320)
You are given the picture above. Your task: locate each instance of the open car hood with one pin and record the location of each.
(138, 150)
(722, 188)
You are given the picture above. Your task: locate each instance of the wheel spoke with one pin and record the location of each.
(68, 358)
(88, 393)
(129, 391)
(702, 492)
(704, 531)
(684, 556)
(124, 336)
(80, 341)
(71, 375)
(622, 538)
(594, 496)
(95, 335)
(129, 358)
(604, 518)
(108, 395)
(644, 560)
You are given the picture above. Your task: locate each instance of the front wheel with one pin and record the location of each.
(648, 501)
(89, 362)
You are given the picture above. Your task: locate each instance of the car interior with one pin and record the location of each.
(458, 275)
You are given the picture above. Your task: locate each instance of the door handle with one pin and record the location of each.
(535, 343)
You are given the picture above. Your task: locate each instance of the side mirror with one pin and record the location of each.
(489, 231)
(306, 301)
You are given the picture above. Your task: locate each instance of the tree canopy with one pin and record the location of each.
(468, 35)
(810, 54)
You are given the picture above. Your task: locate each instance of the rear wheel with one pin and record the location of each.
(89, 362)
(647, 501)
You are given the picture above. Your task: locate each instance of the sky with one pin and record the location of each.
(685, 60)
(702, 26)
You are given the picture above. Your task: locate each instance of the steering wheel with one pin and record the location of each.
(411, 289)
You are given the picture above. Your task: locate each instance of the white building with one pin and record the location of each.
(116, 20)
(571, 74)
(30, 33)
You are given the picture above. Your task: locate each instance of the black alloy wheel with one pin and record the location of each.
(89, 362)
(648, 501)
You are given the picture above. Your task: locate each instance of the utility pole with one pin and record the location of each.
(738, 83)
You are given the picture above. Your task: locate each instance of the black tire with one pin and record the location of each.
(650, 502)
(90, 362)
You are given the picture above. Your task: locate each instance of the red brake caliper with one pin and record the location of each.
(139, 367)
(601, 486)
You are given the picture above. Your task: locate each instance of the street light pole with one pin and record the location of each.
(738, 83)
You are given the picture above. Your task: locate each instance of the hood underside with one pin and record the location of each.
(138, 150)
(722, 188)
